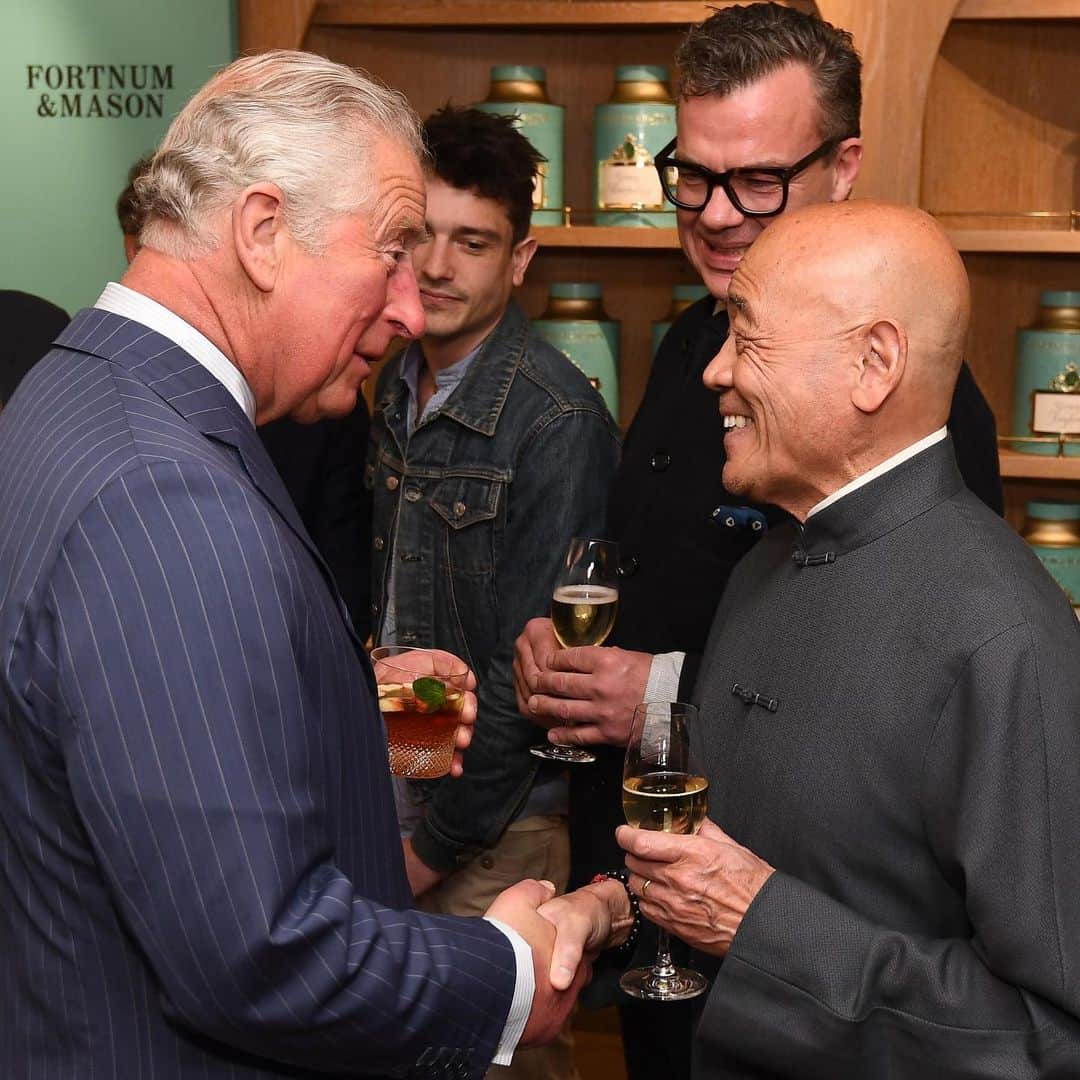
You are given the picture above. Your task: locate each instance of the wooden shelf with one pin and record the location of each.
(1020, 241)
(606, 236)
(531, 13)
(1017, 9)
(1019, 466)
(1017, 241)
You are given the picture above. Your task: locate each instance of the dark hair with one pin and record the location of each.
(485, 153)
(129, 212)
(739, 45)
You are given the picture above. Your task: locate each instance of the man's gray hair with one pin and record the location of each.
(293, 119)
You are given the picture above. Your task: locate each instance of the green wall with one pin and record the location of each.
(60, 174)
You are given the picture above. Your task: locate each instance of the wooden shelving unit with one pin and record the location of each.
(607, 236)
(1019, 466)
(1000, 131)
(520, 13)
(969, 107)
(1019, 241)
(1017, 9)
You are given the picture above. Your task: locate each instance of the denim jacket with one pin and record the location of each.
(479, 506)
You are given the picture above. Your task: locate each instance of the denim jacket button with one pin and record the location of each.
(379, 543)
(412, 494)
(391, 483)
(459, 509)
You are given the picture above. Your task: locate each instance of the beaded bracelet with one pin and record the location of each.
(622, 876)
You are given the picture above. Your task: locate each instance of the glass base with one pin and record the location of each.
(646, 983)
(571, 755)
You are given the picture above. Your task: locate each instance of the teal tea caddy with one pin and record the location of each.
(634, 125)
(1047, 358)
(1052, 528)
(520, 90)
(682, 296)
(574, 322)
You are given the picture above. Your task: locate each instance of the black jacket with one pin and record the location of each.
(322, 465)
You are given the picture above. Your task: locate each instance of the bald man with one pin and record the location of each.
(890, 700)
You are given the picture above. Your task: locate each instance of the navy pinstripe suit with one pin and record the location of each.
(200, 871)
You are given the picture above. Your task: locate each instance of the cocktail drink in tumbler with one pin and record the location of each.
(421, 694)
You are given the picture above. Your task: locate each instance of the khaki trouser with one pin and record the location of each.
(533, 847)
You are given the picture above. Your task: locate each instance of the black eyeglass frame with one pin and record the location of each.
(714, 180)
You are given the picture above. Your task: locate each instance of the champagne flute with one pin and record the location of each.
(583, 607)
(664, 790)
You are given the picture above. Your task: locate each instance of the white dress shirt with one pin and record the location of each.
(121, 300)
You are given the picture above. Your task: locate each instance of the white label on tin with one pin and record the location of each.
(1054, 413)
(539, 186)
(629, 186)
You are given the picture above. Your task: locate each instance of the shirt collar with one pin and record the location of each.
(121, 300)
(446, 380)
(879, 470)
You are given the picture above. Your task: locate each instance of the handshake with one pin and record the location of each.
(565, 934)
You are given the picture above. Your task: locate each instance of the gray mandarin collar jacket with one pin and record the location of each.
(891, 718)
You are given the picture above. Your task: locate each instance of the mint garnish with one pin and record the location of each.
(429, 692)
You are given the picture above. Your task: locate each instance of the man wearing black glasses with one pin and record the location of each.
(768, 121)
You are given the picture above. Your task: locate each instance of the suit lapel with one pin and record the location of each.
(193, 392)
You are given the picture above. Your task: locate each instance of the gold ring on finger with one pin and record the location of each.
(645, 886)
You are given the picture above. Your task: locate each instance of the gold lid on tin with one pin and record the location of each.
(518, 82)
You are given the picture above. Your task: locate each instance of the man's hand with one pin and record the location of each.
(594, 917)
(700, 887)
(517, 907)
(421, 876)
(585, 695)
(533, 650)
(468, 709)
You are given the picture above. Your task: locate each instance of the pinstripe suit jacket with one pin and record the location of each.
(200, 871)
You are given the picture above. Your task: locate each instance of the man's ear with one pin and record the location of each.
(881, 365)
(521, 256)
(258, 228)
(845, 167)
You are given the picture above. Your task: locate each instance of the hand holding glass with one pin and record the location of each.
(663, 790)
(583, 607)
(421, 694)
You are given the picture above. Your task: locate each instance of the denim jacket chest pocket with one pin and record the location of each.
(471, 508)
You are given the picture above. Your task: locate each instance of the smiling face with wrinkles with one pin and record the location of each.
(848, 323)
(779, 393)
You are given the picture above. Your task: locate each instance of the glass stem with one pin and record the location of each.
(663, 968)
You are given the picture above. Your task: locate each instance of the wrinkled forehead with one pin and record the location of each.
(397, 206)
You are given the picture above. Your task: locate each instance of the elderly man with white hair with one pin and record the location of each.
(200, 871)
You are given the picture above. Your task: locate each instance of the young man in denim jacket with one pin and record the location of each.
(489, 451)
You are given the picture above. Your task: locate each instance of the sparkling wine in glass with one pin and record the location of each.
(583, 607)
(663, 790)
